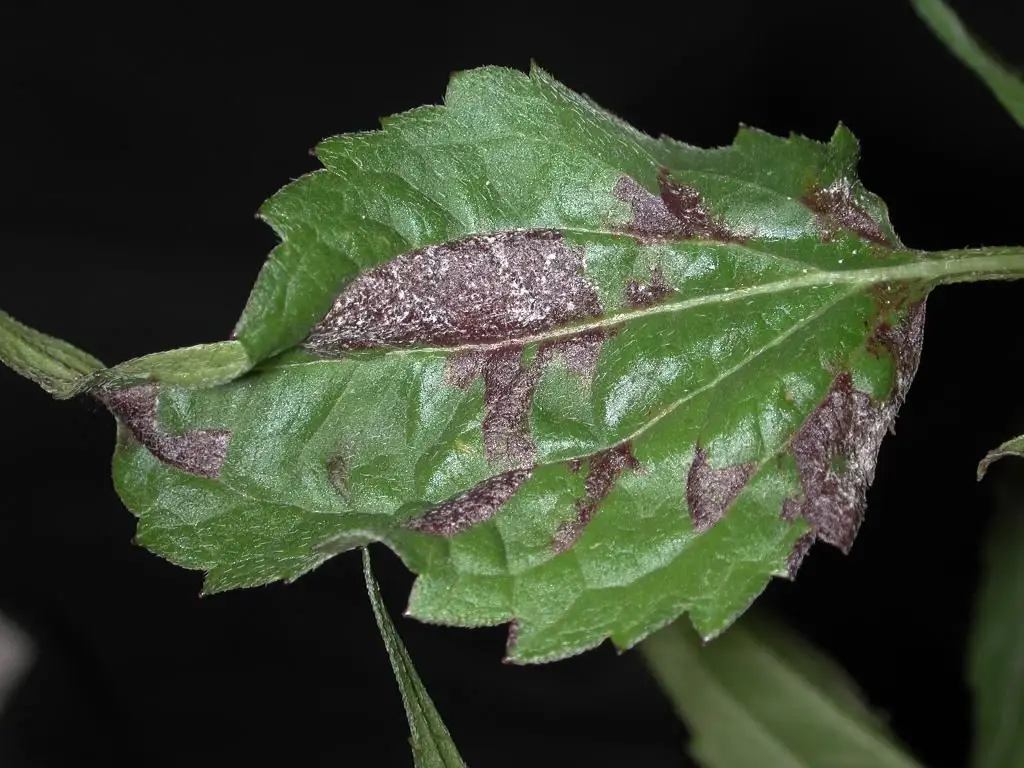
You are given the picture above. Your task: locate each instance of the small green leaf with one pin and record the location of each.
(1012, 447)
(763, 697)
(65, 371)
(204, 365)
(54, 365)
(995, 669)
(581, 380)
(1004, 83)
(432, 746)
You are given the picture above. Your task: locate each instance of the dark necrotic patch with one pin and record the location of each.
(579, 352)
(848, 425)
(678, 213)
(479, 289)
(199, 452)
(834, 208)
(711, 491)
(845, 424)
(648, 294)
(509, 387)
(603, 470)
(799, 552)
(475, 506)
(514, 628)
(508, 395)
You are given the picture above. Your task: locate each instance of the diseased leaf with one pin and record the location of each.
(1012, 447)
(1005, 84)
(432, 745)
(763, 697)
(580, 379)
(995, 662)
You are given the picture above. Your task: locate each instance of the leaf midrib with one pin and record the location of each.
(922, 270)
(775, 341)
(990, 264)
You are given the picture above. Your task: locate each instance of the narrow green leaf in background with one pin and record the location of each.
(761, 696)
(996, 645)
(580, 379)
(1004, 83)
(1008, 87)
(1012, 447)
(432, 745)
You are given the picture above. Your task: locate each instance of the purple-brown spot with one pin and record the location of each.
(710, 491)
(678, 213)
(796, 556)
(509, 387)
(337, 471)
(603, 472)
(647, 294)
(514, 628)
(846, 424)
(478, 289)
(836, 449)
(579, 352)
(199, 452)
(475, 506)
(834, 208)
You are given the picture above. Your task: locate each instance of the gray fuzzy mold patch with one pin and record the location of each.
(710, 491)
(509, 386)
(603, 472)
(834, 207)
(678, 213)
(198, 452)
(646, 294)
(480, 289)
(836, 449)
(473, 507)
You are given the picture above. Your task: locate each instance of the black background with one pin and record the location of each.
(137, 147)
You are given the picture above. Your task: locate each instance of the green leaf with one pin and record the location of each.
(54, 365)
(762, 696)
(1012, 447)
(431, 743)
(580, 379)
(204, 365)
(65, 371)
(995, 671)
(1005, 84)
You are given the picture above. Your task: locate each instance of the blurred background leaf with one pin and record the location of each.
(762, 696)
(1004, 83)
(996, 646)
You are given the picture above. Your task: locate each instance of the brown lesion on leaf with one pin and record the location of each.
(482, 289)
(514, 628)
(198, 452)
(834, 208)
(710, 491)
(836, 449)
(796, 556)
(647, 294)
(677, 213)
(509, 386)
(477, 505)
(494, 291)
(603, 470)
(337, 471)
